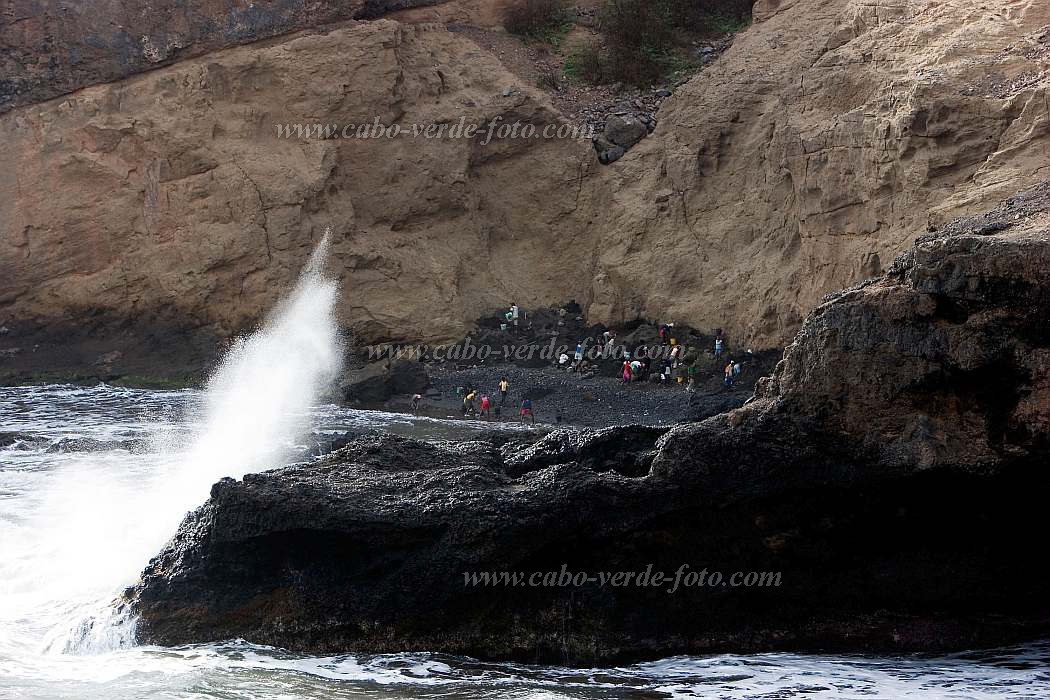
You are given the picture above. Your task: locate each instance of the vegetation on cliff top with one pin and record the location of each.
(539, 19)
(639, 42)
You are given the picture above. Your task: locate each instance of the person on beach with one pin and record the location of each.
(468, 402)
(485, 405)
(563, 359)
(729, 375)
(526, 411)
(626, 372)
(514, 312)
(718, 347)
(504, 386)
(736, 370)
(415, 402)
(636, 369)
(578, 356)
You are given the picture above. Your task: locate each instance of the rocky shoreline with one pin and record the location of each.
(563, 398)
(593, 395)
(891, 471)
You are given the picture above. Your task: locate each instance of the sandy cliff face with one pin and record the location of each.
(807, 156)
(803, 160)
(170, 197)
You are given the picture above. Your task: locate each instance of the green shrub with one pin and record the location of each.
(637, 33)
(549, 77)
(535, 18)
(721, 16)
(640, 34)
(586, 63)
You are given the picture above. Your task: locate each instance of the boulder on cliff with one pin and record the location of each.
(888, 496)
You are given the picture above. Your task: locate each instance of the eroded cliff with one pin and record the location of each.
(162, 211)
(808, 156)
(169, 205)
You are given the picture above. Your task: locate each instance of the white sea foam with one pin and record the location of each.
(97, 519)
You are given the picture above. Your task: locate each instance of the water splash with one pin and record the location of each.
(257, 403)
(100, 519)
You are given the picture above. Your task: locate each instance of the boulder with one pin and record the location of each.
(608, 152)
(380, 381)
(625, 130)
(25, 441)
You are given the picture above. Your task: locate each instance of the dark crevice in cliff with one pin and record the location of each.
(991, 391)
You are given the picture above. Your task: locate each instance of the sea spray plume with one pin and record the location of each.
(255, 406)
(256, 403)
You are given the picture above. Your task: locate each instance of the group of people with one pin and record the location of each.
(671, 362)
(576, 363)
(732, 372)
(486, 408)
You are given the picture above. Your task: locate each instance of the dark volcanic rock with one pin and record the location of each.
(379, 381)
(21, 440)
(946, 359)
(626, 450)
(890, 478)
(51, 48)
(93, 445)
(625, 130)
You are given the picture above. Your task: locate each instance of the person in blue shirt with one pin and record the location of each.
(526, 411)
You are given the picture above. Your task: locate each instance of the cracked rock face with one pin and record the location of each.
(808, 156)
(162, 211)
(54, 48)
(946, 360)
(169, 207)
(902, 512)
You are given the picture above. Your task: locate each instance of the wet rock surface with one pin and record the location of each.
(821, 479)
(94, 445)
(21, 441)
(379, 381)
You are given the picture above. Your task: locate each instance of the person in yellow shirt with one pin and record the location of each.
(504, 386)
